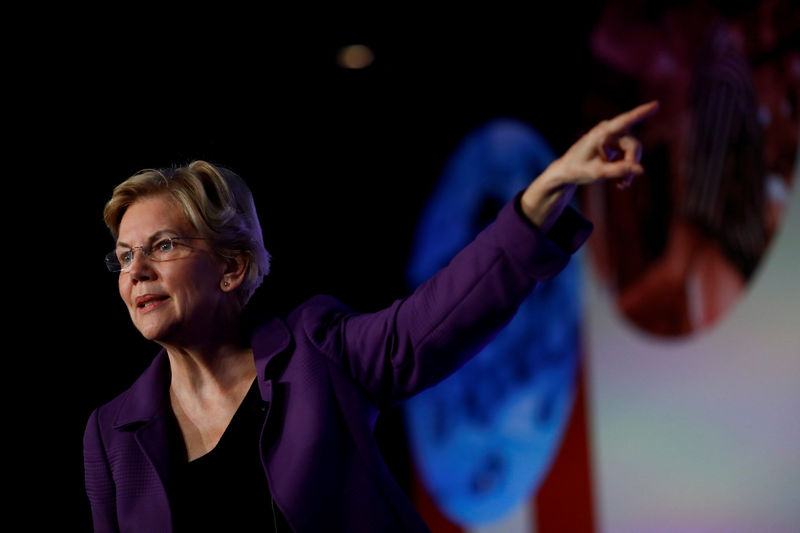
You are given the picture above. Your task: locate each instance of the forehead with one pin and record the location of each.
(151, 215)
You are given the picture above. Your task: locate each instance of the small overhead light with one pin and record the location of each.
(355, 56)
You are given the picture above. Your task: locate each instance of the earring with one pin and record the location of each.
(225, 283)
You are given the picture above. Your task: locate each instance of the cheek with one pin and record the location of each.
(124, 288)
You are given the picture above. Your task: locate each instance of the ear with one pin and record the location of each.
(234, 273)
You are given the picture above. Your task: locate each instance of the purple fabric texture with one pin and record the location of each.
(326, 372)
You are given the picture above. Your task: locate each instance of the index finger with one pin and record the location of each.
(622, 122)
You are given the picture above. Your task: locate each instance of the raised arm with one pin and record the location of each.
(419, 340)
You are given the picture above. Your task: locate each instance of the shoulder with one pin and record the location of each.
(143, 400)
(103, 416)
(316, 307)
(318, 320)
(312, 328)
(100, 439)
(102, 419)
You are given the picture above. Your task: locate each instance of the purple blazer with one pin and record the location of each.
(326, 373)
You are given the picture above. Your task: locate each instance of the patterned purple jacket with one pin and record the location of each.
(326, 372)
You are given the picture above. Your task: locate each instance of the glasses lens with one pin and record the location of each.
(112, 262)
(163, 250)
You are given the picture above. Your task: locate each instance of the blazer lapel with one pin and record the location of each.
(146, 413)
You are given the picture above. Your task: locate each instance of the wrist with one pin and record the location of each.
(545, 198)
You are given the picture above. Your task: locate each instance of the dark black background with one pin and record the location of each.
(340, 163)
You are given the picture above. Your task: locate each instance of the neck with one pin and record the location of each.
(221, 366)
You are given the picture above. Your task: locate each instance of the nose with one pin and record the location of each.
(141, 268)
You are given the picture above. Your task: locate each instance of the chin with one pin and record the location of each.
(151, 335)
(156, 332)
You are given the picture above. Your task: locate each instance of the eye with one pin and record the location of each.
(164, 246)
(125, 257)
(161, 250)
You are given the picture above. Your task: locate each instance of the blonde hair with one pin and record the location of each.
(215, 201)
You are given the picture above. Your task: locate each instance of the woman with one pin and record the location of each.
(272, 429)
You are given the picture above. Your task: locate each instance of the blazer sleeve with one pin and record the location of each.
(421, 339)
(99, 484)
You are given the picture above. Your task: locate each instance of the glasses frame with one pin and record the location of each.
(113, 264)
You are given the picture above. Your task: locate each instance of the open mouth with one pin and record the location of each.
(151, 302)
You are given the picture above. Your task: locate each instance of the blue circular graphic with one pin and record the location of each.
(484, 438)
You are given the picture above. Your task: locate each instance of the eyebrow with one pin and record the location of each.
(150, 239)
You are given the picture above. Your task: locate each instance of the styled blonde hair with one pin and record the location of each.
(215, 201)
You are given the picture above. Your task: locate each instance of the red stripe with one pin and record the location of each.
(564, 500)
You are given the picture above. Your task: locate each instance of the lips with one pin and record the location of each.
(149, 301)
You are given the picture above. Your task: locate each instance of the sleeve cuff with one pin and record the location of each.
(540, 255)
(569, 231)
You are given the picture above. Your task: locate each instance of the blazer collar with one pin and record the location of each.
(270, 338)
(148, 397)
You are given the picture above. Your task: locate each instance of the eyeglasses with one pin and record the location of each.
(166, 249)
